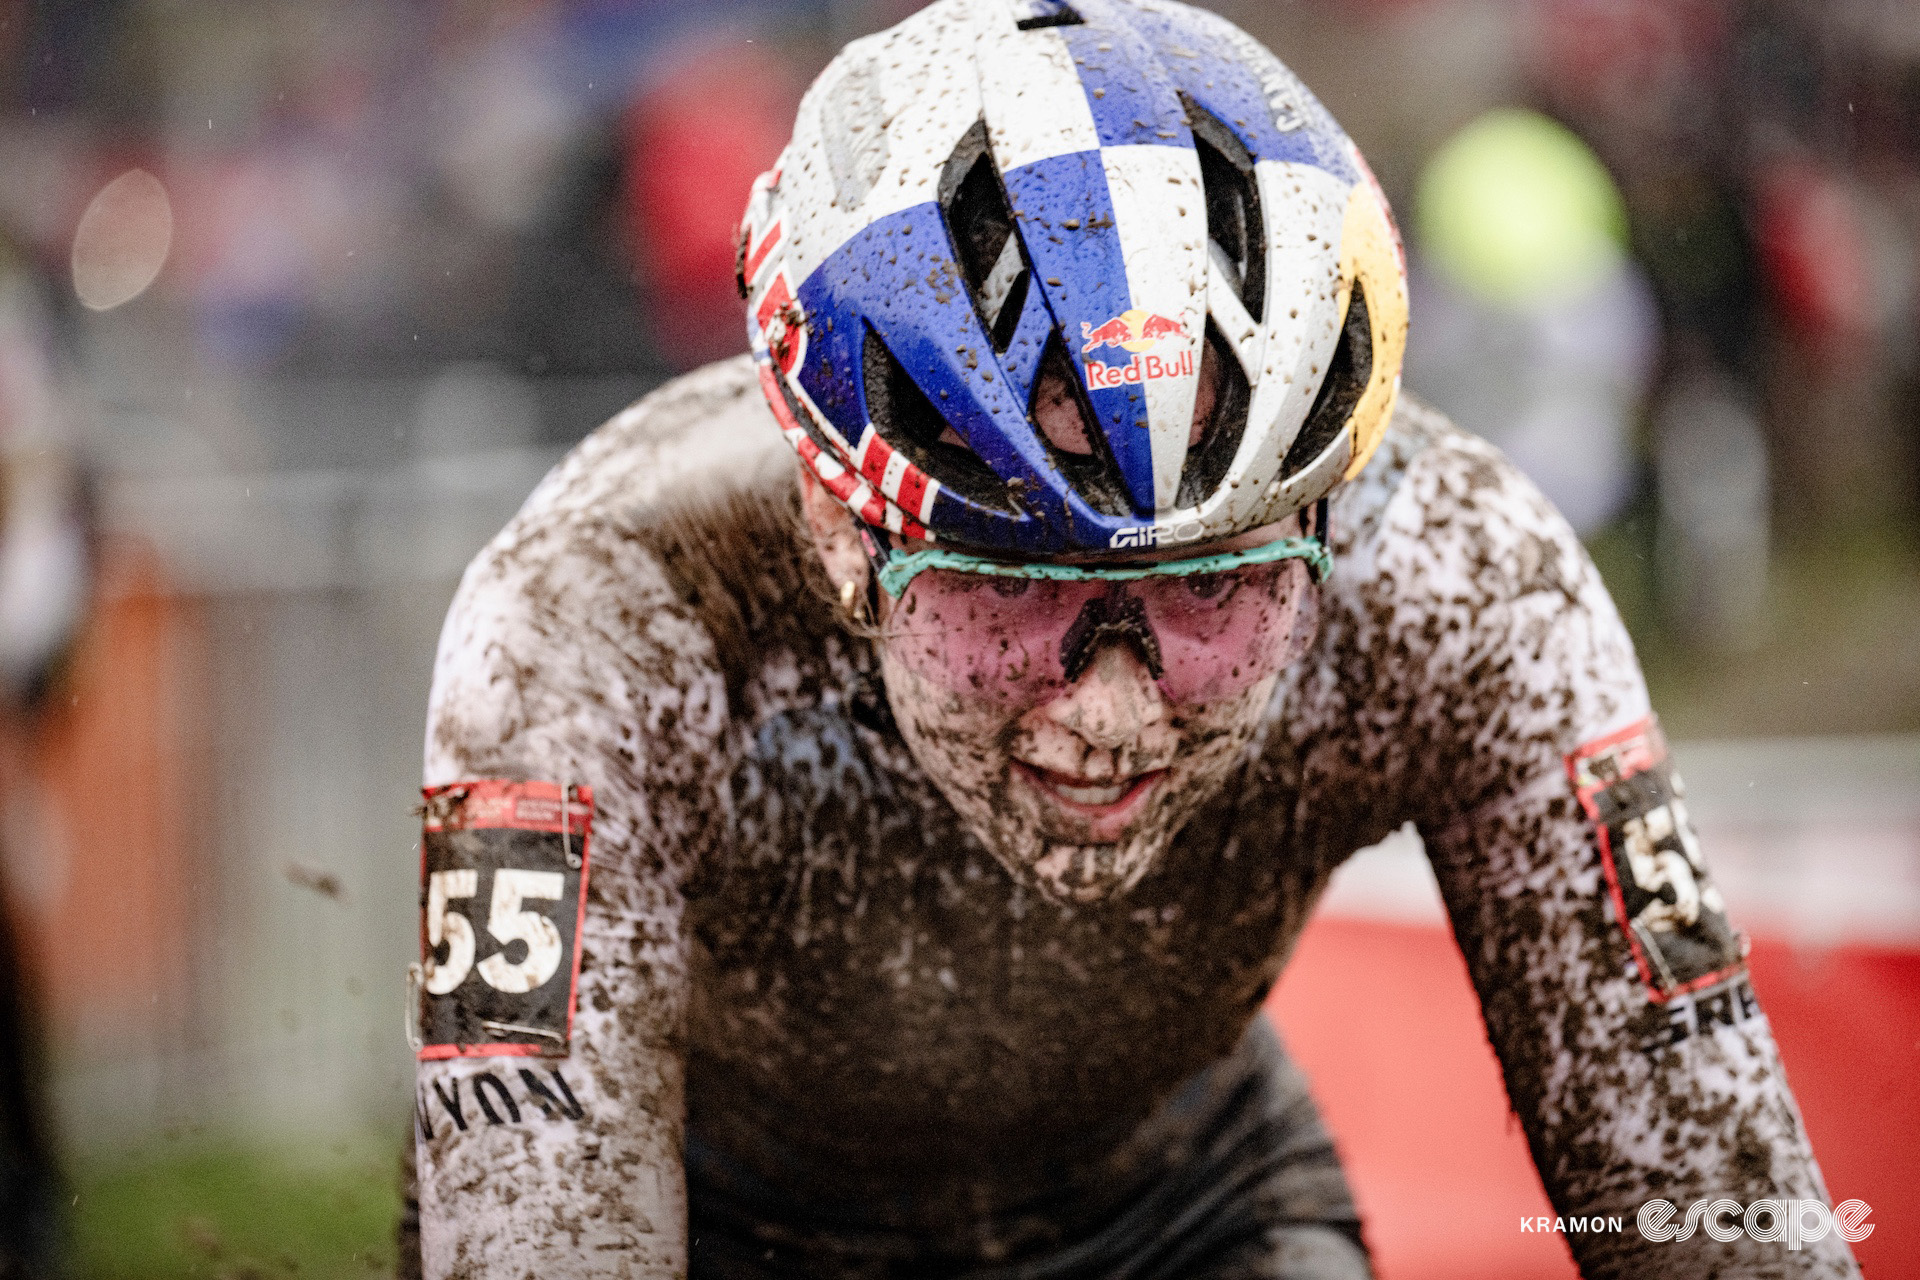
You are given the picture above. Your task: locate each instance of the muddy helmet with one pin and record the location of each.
(1044, 278)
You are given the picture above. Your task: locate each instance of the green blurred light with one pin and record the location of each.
(1517, 209)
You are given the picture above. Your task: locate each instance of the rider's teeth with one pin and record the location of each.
(1092, 795)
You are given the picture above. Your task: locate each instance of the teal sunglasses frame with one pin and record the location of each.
(900, 570)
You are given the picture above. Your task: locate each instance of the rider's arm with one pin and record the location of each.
(1630, 1087)
(565, 658)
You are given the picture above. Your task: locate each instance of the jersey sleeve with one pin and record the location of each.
(567, 659)
(1614, 988)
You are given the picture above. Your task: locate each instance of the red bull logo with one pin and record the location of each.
(1136, 332)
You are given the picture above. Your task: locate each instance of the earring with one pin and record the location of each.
(851, 604)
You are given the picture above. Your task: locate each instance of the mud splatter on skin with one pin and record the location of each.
(985, 755)
(969, 748)
(796, 940)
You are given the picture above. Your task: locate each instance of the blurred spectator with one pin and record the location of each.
(1838, 271)
(1710, 458)
(1767, 153)
(45, 579)
(695, 139)
(44, 546)
(1535, 328)
(1650, 85)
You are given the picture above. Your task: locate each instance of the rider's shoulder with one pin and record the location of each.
(589, 548)
(578, 628)
(675, 456)
(1440, 511)
(703, 430)
(1419, 440)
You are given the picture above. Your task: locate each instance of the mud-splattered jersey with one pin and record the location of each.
(793, 950)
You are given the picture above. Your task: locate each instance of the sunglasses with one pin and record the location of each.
(1206, 627)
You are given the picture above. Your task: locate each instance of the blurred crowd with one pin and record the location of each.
(1664, 255)
(371, 187)
(1664, 249)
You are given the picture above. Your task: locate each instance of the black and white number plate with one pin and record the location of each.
(503, 873)
(1666, 902)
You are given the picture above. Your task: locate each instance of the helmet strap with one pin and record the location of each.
(878, 553)
(1318, 532)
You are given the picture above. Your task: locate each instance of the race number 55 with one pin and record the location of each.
(507, 922)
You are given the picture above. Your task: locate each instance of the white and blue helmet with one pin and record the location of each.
(1042, 277)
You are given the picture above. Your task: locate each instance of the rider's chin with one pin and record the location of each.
(1068, 872)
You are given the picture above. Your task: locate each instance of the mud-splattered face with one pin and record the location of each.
(1076, 727)
(1077, 795)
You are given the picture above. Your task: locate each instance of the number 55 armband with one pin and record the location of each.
(503, 879)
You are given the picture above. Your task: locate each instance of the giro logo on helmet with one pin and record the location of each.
(1155, 535)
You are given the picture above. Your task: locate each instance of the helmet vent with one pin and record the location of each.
(1219, 419)
(1347, 376)
(1066, 423)
(980, 223)
(1030, 15)
(1233, 205)
(855, 138)
(907, 420)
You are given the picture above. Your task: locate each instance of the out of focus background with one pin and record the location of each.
(299, 300)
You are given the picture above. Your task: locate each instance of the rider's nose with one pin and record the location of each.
(1112, 701)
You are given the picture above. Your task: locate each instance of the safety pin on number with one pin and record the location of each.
(416, 979)
(566, 827)
(514, 1028)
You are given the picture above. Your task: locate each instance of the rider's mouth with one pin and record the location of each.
(1104, 801)
(1098, 795)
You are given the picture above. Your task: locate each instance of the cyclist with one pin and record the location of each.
(877, 868)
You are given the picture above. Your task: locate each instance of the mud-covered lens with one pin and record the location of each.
(1203, 636)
